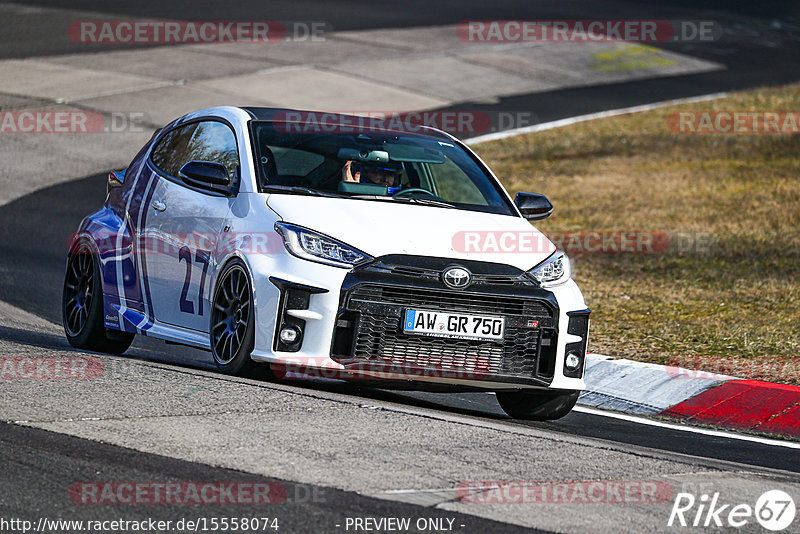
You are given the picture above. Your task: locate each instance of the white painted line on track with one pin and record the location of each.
(684, 428)
(588, 117)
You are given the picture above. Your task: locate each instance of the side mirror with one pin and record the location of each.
(533, 206)
(206, 172)
(208, 175)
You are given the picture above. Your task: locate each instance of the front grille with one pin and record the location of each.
(435, 274)
(455, 301)
(379, 340)
(525, 353)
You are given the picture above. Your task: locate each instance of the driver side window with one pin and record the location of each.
(169, 155)
(199, 141)
(214, 141)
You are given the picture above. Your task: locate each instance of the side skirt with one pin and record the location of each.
(133, 321)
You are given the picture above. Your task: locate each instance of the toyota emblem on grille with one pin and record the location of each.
(456, 277)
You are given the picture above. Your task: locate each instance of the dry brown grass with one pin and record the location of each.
(722, 309)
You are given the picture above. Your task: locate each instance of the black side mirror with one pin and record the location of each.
(208, 175)
(533, 206)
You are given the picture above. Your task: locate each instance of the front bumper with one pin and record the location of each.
(352, 328)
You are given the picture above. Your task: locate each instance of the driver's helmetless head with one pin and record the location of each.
(386, 174)
(379, 175)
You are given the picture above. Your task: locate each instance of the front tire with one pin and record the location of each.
(537, 406)
(82, 306)
(232, 321)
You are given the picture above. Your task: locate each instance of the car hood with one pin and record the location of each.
(382, 227)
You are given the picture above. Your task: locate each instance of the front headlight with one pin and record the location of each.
(313, 246)
(553, 271)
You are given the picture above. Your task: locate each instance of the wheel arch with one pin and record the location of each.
(76, 238)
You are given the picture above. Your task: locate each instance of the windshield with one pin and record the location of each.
(372, 165)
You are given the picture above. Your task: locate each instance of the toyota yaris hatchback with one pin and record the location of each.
(334, 248)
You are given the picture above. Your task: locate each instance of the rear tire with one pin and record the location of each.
(82, 306)
(537, 406)
(232, 321)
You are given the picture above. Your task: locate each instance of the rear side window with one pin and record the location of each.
(200, 141)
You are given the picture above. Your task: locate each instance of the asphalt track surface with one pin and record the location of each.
(33, 235)
(759, 47)
(298, 508)
(40, 33)
(34, 231)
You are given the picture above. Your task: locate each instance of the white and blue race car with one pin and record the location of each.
(331, 245)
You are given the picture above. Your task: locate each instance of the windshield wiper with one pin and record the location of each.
(425, 201)
(295, 190)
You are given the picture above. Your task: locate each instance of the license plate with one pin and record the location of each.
(453, 325)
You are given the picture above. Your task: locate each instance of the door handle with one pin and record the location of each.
(159, 205)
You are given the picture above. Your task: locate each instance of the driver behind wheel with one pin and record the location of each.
(387, 174)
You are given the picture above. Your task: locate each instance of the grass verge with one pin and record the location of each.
(725, 295)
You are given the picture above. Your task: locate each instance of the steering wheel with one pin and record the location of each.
(404, 192)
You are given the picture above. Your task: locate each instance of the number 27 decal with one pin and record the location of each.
(200, 257)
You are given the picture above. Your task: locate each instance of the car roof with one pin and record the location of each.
(324, 117)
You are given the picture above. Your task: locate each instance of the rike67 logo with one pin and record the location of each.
(774, 510)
